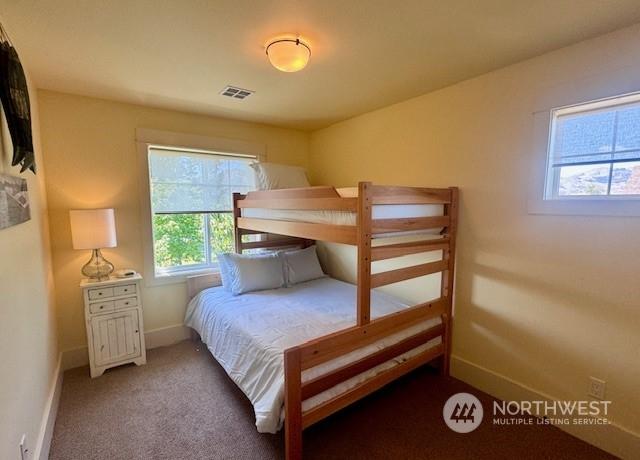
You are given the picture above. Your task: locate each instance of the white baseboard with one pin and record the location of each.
(76, 357)
(165, 336)
(612, 438)
(161, 337)
(43, 443)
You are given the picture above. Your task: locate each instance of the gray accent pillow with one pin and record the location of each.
(302, 265)
(251, 272)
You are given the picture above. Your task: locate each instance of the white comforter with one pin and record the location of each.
(248, 334)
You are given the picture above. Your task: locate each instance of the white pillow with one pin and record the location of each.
(225, 272)
(255, 272)
(272, 176)
(302, 265)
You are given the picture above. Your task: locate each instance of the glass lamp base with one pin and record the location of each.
(98, 268)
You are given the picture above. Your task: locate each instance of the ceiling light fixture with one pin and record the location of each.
(288, 54)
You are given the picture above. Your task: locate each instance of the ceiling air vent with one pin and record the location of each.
(236, 93)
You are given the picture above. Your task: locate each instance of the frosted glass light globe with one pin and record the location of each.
(288, 54)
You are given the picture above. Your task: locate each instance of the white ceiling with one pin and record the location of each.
(365, 54)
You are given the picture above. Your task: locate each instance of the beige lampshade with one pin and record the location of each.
(93, 228)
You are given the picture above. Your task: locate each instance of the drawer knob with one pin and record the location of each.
(101, 307)
(99, 293)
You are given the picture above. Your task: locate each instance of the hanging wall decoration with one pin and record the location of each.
(14, 201)
(14, 96)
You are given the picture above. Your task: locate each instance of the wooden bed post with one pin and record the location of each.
(293, 404)
(364, 228)
(237, 234)
(446, 289)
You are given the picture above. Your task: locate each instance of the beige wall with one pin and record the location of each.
(28, 346)
(91, 161)
(546, 301)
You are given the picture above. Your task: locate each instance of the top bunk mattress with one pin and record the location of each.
(379, 211)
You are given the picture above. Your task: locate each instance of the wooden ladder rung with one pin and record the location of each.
(390, 251)
(402, 274)
(406, 224)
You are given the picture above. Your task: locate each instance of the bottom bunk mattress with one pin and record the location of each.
(247, 334)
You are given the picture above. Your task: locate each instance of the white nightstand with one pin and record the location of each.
(113, 314)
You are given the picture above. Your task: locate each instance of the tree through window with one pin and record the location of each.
(191, 206)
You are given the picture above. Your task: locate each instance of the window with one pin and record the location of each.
(594, 150)
(191, 206)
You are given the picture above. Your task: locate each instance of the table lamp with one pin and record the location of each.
(94, 229)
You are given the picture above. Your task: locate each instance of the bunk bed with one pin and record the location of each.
(365, 217)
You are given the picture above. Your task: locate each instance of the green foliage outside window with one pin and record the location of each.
(180, 239)
(221, 231)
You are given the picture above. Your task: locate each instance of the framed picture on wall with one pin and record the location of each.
(14, 201)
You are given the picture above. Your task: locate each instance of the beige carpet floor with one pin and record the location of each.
(182, 405)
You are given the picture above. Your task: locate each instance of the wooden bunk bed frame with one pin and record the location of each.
(366, 331)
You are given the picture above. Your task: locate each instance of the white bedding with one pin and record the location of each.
(379, 211)
(248, 334)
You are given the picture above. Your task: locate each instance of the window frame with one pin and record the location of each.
(208, 265)
(614, 82)
(552, 175)
(149, 138)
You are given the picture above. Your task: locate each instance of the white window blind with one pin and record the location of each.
(185, 182)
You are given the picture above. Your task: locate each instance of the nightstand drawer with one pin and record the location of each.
(127, 289)
(126, 303)
(102, 307)
(96, 294)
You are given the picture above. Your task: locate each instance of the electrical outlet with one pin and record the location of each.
(597, 387)
(24, 451)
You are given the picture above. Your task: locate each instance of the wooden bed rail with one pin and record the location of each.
(326, 381)
(278, 240)
(340, 343)
(366, 331)
(345, 234)
(328, 199)
(369, 386)
(392, 194)
(299, 358)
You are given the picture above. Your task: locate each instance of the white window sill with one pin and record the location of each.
(586, 207)
(177, 277)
